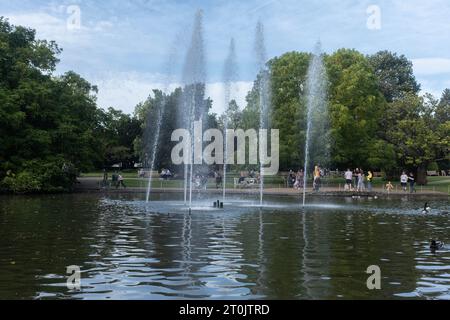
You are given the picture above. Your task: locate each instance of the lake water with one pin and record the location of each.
(127, 249)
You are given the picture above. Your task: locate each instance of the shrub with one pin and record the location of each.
(41, 177)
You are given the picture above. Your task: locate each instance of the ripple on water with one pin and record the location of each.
(127, 250)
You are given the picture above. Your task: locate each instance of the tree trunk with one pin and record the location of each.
(422, 178)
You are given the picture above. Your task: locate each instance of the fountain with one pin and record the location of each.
(159, 117)
(317, 134)
(169, 68)
(192, 105)
(229, 77)
(264, 95)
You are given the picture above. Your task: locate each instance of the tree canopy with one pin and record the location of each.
(50, 126)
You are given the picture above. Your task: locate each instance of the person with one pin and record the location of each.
(204, 181)
(355, 179)
(299, 180)
(291, 179)
(105, 178)
(242, 178)
(316, 185)
(389, 187)
(412, 182)
(404, 181)
(115, 179)
(361, 186)
(348, 180)
(120, 181)
(302, 178)
(369, 180)
(219, 179)
(258, 178)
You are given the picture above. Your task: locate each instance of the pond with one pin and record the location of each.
(127, 249)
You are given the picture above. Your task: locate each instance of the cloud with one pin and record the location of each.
(431, 66)
(122, 44)
(433, 85)
(124, 90)
(54, 27)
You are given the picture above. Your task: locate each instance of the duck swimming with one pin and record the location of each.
(436, 245)
(426, 209)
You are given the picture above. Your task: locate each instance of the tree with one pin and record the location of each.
(47, 124)
(233, 116)
(395, 75)
(119, 132)
(289, 73)
(415, 133)
(168, 108)
(356, 106)
(443, 109)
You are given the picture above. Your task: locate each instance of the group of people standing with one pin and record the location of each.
(356, 180)
(406, 179)
(117, 180)
(297, 180)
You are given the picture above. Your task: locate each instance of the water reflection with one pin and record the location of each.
(128, 250)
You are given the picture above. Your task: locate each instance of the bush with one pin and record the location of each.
(41, 177)
(433, 167)
(24, 182)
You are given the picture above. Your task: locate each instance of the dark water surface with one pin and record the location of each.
(129, 250)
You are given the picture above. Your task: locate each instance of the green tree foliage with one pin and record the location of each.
(443, 109)
(50, 127)
(233, 116)
(288, 81)
(378, 121)
(356, 106)
(417, 135)
(118, 134)
(395, 75)
(169, 106)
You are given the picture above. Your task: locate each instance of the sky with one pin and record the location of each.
(128, 48)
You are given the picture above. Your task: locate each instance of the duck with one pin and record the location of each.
(436, 245)
(426, 209)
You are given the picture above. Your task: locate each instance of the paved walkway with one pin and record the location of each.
(93, 185)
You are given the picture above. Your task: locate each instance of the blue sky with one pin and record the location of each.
(122, 46)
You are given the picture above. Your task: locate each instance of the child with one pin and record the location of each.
(389, 187)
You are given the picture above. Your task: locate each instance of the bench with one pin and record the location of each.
(432, 173)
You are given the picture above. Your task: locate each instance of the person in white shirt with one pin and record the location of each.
(348, 180)
(404, 181)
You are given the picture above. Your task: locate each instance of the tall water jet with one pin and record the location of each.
(168, 67)
(160, 110)
(193, 103)
(230, 73)
(264, 95)
(317, 133)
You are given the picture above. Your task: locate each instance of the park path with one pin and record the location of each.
(94, 185)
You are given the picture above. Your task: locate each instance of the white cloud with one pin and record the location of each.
(433, 86)
(55, 27)
(431, 66)
(125, 90)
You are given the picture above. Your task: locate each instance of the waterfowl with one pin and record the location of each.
(436, 245)
(426, 209)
